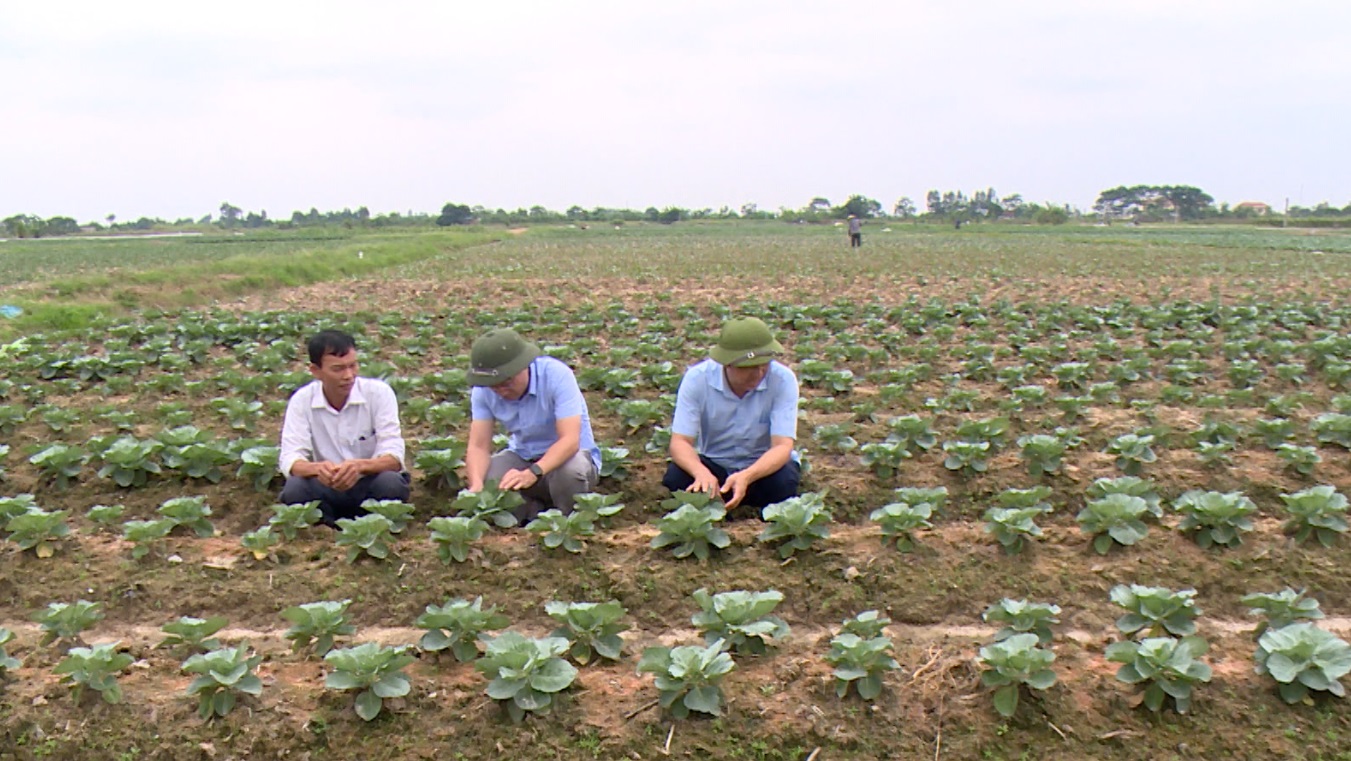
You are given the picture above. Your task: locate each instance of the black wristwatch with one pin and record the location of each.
(537, 470)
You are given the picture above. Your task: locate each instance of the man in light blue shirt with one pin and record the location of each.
(736, 421)
(552, 455)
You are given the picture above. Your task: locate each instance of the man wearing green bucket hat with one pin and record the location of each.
(736, 421)
(552, 455)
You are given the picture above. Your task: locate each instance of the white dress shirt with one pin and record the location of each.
(365, 428)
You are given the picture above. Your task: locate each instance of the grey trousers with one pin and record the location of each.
(556, 489)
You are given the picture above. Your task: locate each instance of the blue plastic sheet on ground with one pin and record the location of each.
(9, 311)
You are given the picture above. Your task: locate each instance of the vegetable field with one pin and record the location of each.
(1072, 494)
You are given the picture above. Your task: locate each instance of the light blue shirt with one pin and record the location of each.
(735, 431)
(532, 420)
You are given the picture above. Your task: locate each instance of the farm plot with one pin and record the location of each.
(1012, 421)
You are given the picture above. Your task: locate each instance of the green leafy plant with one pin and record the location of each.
(374, 669)
(688, 677)
(317, 624)
(796, 523)
(861, 662)
(692, 530)
(1155, 611)
(65, 621)
(1133, 452)
(94, 667)
(900, 520)
(835, 438)
(868, 624)
(60, 463)
(105, 516)
(1114, 520)
(567, 531)
(489, 504)
(1302, 659)
(397, 511)
(591, 628)
(1043, 453)
(614, 462)
(1128, 485)
(1300, 459)
(1215, 518)
(741, 619)
(1012, 663)
(440, 466)
(1280, 609)
(291, 519)
(369, 535)
(8, 662)
(454, 537)
(129, 462)
(1162, 668)
(1013, 527)
(258, 465)
(260, 542)
(967, 457)
(884, 458)
(912, 432)
(145, 535)
(188, 512)
(196, 633)
(221, 676)
(525, 673)
(17, 505)
(1318, 512)
(39, 530)
(1021, 616)
(458, 625)
(1332, 428)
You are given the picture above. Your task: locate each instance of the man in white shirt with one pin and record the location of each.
(341, 442)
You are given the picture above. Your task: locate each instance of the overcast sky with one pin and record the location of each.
(167, 109)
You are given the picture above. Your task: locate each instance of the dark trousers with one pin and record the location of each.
(389, 485)
(775, 487)
(855, 240)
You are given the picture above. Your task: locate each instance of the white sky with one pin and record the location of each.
(166, 109)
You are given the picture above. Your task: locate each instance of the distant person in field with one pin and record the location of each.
(552, 455)
(736, 421)
(341, 442)
(855, 231)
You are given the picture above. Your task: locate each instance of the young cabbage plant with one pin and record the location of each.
(1013, 527)
(1318, 512)
(39, 531)
(441, 466)
(1012, 663)
(221, 677)
(1215, 518)
(692, 530)
(65, 621)
(591, 628)
(291, 519)
(861, 662)
(145, 536)
(94, 667)
(741, 619)
(370, 534)
(258, 465)
(374, 669)
(130, 462)
(1280, 609)
(1332, 428)
(524, 673)
(967, 457)
(454, 537)
(868, 624)
(1155, 611)
(1020, 617)
(614, 463)
(1302, 659)
(260, 542)
(1300, 459)
(196, 633)
(688, 677)
(459, 625)
(1114, 520)
(884, 458)
(8, 662)
(60, 463)
(597, 505)
(17, 505)
(1043, 453)
(317, 624)
(836, 438)
(1274, 431)
(900, 520)
(1162, 668)
(1132, 452)
(188, 512)
(489, 504)
(567, 531)
(397, 511)
(912, 432)
(796, 523)
(1130, 486)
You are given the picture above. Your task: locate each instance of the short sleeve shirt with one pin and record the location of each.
(365, 428)
(532, 420)
(735, 431)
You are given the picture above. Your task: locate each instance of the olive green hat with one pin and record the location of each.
(745, 342)
(498, 355)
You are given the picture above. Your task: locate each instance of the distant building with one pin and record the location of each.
(1255, 208)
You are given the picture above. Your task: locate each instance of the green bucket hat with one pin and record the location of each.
(498, 355)
(745, 342)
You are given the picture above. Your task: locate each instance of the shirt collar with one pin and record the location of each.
(355, 396)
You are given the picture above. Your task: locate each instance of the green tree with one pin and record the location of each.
(455, 214)
(905, 208)
(860, 206)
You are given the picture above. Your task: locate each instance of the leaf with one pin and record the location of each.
(554, 675)
(704, 699)
(368, 705)
(1006, 700)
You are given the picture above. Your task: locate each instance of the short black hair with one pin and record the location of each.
(333, 342)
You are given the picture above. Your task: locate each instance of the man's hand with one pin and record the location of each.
(345, 475)
(323, 471)
(515, 480)
(737, 483)
(704, 481)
